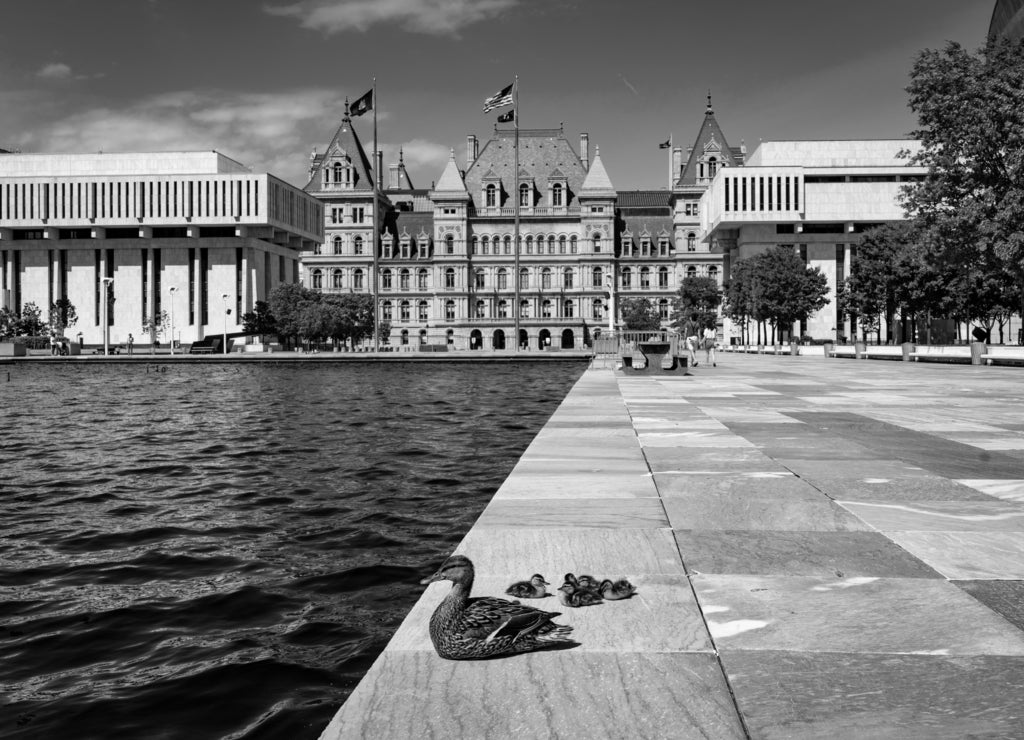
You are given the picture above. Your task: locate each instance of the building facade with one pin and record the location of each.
(127, 237)
(446, 267)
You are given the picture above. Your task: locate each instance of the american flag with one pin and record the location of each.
(499, 99)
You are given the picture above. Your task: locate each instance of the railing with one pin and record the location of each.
(527, 212)
(625, 342)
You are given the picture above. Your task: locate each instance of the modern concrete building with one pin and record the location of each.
(446, 266)
(1007, 20)
(171, 232)
(816, 197)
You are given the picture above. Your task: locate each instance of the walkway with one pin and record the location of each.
(822, 549)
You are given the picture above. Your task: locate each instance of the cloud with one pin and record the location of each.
(54, 71)
(270, 132)
(426, 156)
(437, 17)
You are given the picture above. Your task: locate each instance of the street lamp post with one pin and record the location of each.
(227, 311)
(106, 310)
(173, 290)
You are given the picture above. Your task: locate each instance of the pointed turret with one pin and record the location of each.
(346, 151)
(597, 184)
(710, 152)
(451, 181)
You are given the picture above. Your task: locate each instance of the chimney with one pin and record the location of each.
(585, 150)
(393, 176)
(379, 167)
(677, 162)
(471, 150)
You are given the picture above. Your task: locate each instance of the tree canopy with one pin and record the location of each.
(639, 314)
(298, 312)
(696, 302)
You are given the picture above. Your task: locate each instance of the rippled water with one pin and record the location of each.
(222, 551)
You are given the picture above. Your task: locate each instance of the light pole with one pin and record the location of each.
(609, 281)
(173, 290)
(227, 311)
(106, 310)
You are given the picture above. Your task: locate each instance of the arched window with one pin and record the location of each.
(568, 308)
(403, 280)
(508, 245)
(627, 278)
(598, 309)
(598, 280)
(449, 310)
(357, 279)
(545, 310)
(335, 278)
(385, 311)
(524, 309)
(337, 171)
(556, 194)
(662, 277)
(596, 242)
(421, 279)
(476, 245)
(449, 278)
(491, 196)
(502, 279)
(403, 311)
(691, 242)
(545, 278)
(479, 278)
(691, 272)
(524, 196)
(485, 243)
(663, 309)
(561, 244)
(529, 245)
(551, 243)
(422, 311)
(481, 309)
(573, 246)
(386, 280)
(423, 336)
(567, 278)
(405, 336)
(713, 273)
(645, 277)
(449, 244)
(336, 242)
(712, 167)
(503, 309)
(524, 279)
(318, 280)
(357, 245)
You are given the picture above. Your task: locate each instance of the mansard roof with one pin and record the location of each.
(710, 137)
(412, 223)
(345, 140)
(541, 152)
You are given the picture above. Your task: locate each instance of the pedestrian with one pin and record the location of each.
(53, 343)
(710, 338)
(692, 332)
(131, 343)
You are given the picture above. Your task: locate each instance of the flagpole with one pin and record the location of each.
(376, 230)
(515, 238)
(670, 150)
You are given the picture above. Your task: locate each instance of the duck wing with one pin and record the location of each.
(487, 618)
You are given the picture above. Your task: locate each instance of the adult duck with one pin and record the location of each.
(462, 628)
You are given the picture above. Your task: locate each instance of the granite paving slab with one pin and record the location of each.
(849, 696)
(967, 555)
(941, 516)
(1004, 597)
(924, 488)
(1008, 490)
(781, 553)
(578, 511)
(719, 510)
(540, 464)
(782, 485)
(612, 485)
(734, 460)
(859, 614)
(550, 694)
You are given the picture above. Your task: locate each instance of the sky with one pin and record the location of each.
(264, 81)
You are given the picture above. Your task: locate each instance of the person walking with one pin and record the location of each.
(131, 343)
(692, 333)
(710, 339)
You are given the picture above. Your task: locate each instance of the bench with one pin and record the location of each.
(207, 346)
(887, 351)
(844, 350)
(1003, 354)
(948, 353)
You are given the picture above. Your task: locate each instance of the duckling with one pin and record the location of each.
(531, 589)
(572, 596)
(587, 583)
(462, 628)
(621, 589)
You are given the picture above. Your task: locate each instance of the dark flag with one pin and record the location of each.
(506, 117)
(363, 105)
(665, 145)
(500, 99)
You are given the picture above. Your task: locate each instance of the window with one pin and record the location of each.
(662, 277)
(449, 244)
(337, 244)
(421, 280)
(627, 278)
(406, 249)
(691, 242)
(403, 311)
(358, 215)
(481, 309)
(567, 278)
(561, 244)
(598, 277)
(598, 313)
(478, 278)
(568, 309)
(405, 336)
(556, 195)
(524, 309)
(450, 211)
(357, 245)
(545, 278)
(385, 280)
(335, 278)
(524, 279)
(503, 309)
(502, 279)
(403, 280)
(712, 167)
(545, 310)
(449, 278)
(645, 277)
(596, 242)
(337, 171)
(551, 244)
(597, 209)
(663, 247)
(449, 310)
(573, 246)
(645, 247)
(475, 245)
(385, 311)
(508, 245)
(524, 196)
(317, 248)
(485, 245)
(423, 336)
(663, 309)
(357, 280)
(713, 273)
(318, 280)
(491, 196)
(529, 245)
(691, 272)
(422, 311)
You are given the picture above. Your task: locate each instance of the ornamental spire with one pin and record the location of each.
(709, 111)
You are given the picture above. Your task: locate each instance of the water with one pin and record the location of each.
(221, 551)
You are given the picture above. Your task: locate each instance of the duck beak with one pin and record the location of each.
(430, 579)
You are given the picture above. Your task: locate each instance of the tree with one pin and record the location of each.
(62, 315)
(288, 302)
(154, 326)
(739, 296)
(30, 321)
(971, 127)
(639, 314)
(259, 321)
(697, 301)
(8, 323)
